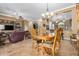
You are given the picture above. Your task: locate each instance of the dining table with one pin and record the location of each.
(45, 37)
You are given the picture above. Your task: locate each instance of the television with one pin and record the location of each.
(8, 27)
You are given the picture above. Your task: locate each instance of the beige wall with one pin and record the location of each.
(7, 17)
(23, 23)
(75, 17)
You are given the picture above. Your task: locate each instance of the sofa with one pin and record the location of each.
(17, 36)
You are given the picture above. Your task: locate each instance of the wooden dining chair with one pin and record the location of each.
(35, 39)
(52, 49)
(33, 35)
(57, 39)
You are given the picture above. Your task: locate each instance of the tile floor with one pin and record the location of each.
(24, 48)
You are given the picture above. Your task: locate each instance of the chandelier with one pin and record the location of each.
(47, 14)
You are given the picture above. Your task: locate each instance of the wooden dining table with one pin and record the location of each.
(45, 37)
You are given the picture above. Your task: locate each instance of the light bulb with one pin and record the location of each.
(43, 15)
(51, 13)
(47, 13)
(57, 21)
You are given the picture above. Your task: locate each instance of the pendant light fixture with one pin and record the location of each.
(48, 14)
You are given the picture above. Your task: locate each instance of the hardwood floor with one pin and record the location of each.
(24, 48)
(67, 49)
(20, 48)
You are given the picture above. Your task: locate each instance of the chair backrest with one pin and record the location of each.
(59, 34)
(57, 37)
(33, 32)
(42, 31)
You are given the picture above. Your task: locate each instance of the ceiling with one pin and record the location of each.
(30, 10)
